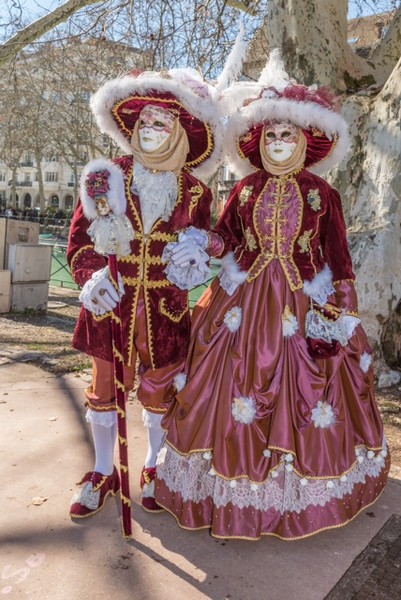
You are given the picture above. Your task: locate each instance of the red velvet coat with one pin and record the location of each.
(305, 221)
(167, 310)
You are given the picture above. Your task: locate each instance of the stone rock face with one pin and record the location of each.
(369, 181)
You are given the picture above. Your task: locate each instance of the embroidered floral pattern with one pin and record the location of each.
(243, 409)
(233, 318)
(314, 200)
(304, 241)
(245, 194)
(290, 322)
(323, 415)
(250, 239)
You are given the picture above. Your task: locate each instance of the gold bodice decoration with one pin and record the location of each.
(277, 220)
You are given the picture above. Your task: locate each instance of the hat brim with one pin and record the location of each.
(318, 148)
(200, 138)
(117, 104)
(325, 130)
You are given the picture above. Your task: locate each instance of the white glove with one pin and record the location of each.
(185, 254)
(99, 295)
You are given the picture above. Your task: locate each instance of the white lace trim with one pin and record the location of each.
(87, 497)
(157, 194)
(151, 420)
(284, 490)
(319, 328)
(112, 234)
(230, 275)
(198, 236)
(186, 278)
(233, 318)
(107, 419)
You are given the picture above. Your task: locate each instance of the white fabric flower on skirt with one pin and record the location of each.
(290, 322)
(179, 381)
(233, 318)
(365, 362)
(323, 415)
(243, 409)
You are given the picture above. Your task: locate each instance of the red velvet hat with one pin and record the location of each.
(313, 109)
(117, 104)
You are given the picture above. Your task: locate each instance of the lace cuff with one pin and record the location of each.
(320, 328)
(230, 275)
(188, 277)
(107, 419)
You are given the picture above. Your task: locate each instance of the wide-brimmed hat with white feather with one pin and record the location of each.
(276, 97)
(117, 104)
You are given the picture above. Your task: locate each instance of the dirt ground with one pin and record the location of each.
(44, 339)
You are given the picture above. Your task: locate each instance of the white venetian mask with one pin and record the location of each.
(281, 139)
(155, 126)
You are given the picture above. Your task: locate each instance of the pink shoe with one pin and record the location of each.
(148, 490)
(92, 495)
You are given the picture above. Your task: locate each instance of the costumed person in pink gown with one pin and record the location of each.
(276, 430)
(164, 122)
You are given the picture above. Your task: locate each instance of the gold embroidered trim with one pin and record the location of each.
(250, 239)
(304, 242)
(77, 254)
(245, 194)
(119, 384)
(167, 313)
(123, 467)
(314, 199)
(196, 192)
(99, 485)
(117, 354)
(126, 500)
(121, 412)
(123, 440)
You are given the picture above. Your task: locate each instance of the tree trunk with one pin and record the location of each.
(312, 38)
(38, 159)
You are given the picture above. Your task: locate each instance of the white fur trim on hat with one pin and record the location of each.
(197, 96)
(116, 194)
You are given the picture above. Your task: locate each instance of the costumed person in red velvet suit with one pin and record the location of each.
(276, 431)
(164, 122)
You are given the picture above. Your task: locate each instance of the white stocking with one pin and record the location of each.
(104, 430)
(155, 436)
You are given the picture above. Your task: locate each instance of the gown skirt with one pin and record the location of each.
(262, 438)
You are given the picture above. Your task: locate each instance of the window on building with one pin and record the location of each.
(2, 176)
(51, 176)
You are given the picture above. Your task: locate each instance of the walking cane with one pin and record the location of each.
(117, 341)
(111, 231)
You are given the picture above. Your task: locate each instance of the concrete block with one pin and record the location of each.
(13, 231)
(5, 291)
(29, 262)
(29, 296)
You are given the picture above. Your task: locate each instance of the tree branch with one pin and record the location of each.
(387, 53)
(40, 27)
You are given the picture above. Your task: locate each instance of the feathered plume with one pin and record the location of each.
(274, 72)
(234, 62)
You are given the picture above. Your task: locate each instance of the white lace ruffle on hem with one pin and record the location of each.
(284, 490)
(107, 419)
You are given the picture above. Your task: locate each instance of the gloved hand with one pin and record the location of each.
(99, 294)
(185, 254)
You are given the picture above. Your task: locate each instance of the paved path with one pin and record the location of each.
(45, 447)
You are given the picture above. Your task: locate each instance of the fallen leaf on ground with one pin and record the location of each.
(39, 500)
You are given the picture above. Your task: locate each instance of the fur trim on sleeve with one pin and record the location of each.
(230, 275)
(321, 286)
(115, 195)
